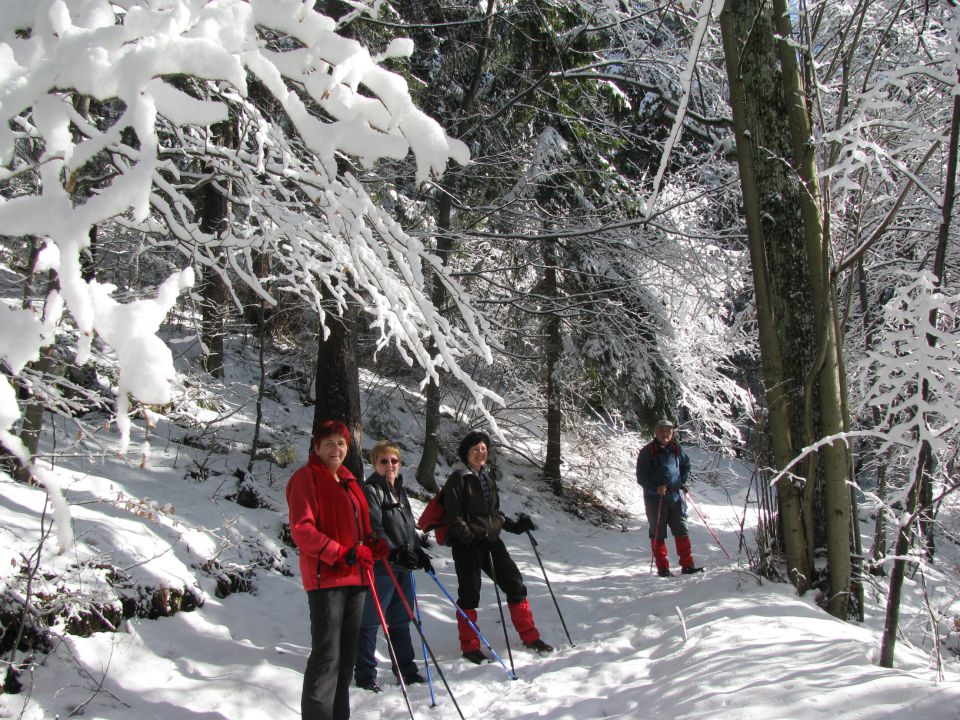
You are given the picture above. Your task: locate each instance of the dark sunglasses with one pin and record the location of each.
(391, 461)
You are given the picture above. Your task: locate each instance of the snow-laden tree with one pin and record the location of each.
(594, 305)
(106, 110)
(912, 379)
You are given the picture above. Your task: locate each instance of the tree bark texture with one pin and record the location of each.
(337, 385)
(891, 622)
(768, 311)
(213, 219)
(427, 467)
(826, 371)
(553, 351)
(795, 299)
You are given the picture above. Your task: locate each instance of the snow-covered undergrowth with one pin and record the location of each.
(173, 535)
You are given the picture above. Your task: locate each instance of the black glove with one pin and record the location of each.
(511, 526)
(348, 555)
(424, 561)
(406, 558)
(425, 540)
(525, 523)
(683, 489)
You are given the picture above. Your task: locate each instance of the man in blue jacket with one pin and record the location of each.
(662, 470)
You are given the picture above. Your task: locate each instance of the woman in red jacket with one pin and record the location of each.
(330, 524)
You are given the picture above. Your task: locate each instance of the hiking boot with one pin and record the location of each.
(664, 573)
(370, 685)
(475, 656)
(414, 678)
(691, 570)
(540, 646)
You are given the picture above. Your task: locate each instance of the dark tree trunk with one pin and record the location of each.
(31, 423)
(213, 220)
(427, 467)
(88, 259)
(898, 571)
(337, 385)
(212, 326)
(553, 350)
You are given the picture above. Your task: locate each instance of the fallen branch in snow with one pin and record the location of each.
(683, 622)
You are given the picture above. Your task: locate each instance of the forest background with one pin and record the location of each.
(546, 214)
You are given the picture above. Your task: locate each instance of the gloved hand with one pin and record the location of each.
(424, 560)
(525, 523)
(364, 558)
(380, 548)
(683, 489)
(347, 556)
(405, 558)
(355, 555)
(519, 525)
(425, 540)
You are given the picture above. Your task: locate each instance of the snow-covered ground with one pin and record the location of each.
(724, 644)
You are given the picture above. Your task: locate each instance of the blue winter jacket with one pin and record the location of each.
(658, 465)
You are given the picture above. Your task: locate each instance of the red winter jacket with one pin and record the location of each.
(326, 514)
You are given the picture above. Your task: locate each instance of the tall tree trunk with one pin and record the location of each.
(427, 467)
(213, 220)
(553, 350)
(774, 375)
(835, 461)
(212, 326)
(788, 240)
(31, 423)
(904, 540)
(263, 267)
(337, 385)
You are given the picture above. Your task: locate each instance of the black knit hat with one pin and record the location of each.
(474, 437)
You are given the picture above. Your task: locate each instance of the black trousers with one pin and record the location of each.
(470, 559)
(335, 617)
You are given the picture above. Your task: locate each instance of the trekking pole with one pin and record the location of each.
(386, 634)
(503, 621)
(533, 542)
(707, 525)
(511, 675)
(423, 640)
(423, 643)
(656, 534)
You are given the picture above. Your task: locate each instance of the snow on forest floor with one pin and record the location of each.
(724, 644)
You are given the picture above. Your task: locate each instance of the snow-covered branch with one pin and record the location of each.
(119, 98)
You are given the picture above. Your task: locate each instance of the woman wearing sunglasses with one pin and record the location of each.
(392, 519)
